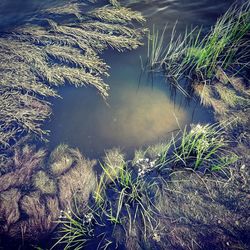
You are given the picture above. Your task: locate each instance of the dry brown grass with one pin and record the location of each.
(25, 161)
(61, 159)
(200, 211)
(78, 183)
(41, 220)
(9, 210)
(44, 183)
(31, 215)
(205, 92)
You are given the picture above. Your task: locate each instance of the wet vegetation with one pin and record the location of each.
(45, 53)
(190, 192)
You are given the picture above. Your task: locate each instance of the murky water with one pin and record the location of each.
(138, 114)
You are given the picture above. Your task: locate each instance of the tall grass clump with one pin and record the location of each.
(130, 210)
(204, 147)
(121, 204)
(196, 55)
(75, 230)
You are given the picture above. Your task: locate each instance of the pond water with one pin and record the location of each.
(140, 110)
(137, 113)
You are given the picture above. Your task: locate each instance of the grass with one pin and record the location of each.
(61, 159)
(44, 53)
(75, 231)
(226, 45)
(118, 196)
(44, 183)
(162, 209)
(130, 210)
(204, 148)
(198, 56)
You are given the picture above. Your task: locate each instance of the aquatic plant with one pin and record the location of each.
(119, 195)
(195, 56)
(77, 184)
(114, 162)
(31, 195)
(75, 231)
(44, 183)
(24, 162)
(204, 147)
(61, 159)
(45, 52)
(9, 210)
(40, 218)
(170, 209)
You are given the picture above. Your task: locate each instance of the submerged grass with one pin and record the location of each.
(121, 202)
(158, 211)
(45, 52)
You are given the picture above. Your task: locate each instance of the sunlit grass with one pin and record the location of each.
(75, 231)
(198, 56)
(204, 147)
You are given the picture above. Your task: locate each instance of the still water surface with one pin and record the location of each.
(138, 113)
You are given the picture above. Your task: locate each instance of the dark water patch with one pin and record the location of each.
(15, 12)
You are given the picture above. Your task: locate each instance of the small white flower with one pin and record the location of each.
(198, 129)
(242, 168)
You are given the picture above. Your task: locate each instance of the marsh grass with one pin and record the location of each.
(204, 147)
(44, 183)
(198, 56)
(204, 208)
(133, 211)
(119, 195)
(76, 232)
(46, 52)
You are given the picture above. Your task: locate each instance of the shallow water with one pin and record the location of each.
(14, 12)
(138, 113)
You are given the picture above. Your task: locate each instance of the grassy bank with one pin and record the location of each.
(190, 192)
(211, 65)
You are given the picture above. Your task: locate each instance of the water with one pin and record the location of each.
(137, 113)
(14, 12)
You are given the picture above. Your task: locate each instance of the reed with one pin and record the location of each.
(199, 57)
(75, 231)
